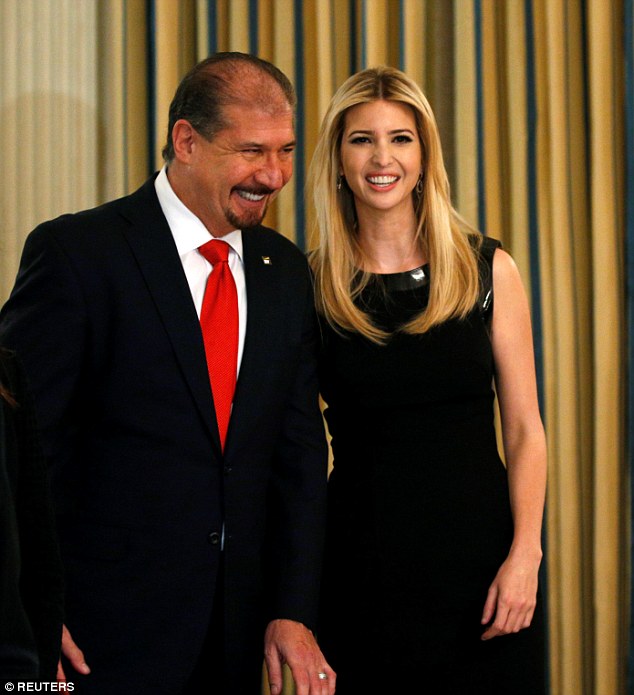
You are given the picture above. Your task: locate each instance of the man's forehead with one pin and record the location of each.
(254, 124)
(262, 110)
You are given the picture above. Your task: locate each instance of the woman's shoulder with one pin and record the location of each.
(505, 271)
(485, 245)
(485, 248)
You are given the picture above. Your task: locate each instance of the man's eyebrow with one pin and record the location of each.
(260, 145)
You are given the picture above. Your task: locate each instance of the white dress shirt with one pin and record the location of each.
(189, 233)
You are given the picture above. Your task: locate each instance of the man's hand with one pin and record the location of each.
(74, 654)
(290, 642)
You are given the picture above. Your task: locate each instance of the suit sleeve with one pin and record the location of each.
(299, 488)
(41, 575)
(45, 321)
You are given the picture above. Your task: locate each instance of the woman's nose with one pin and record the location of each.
(382, 154)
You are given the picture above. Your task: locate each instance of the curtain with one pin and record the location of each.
(535, 103)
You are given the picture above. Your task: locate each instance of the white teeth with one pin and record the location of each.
(250, 196)
(382, 180)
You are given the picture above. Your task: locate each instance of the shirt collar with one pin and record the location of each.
(187, 229)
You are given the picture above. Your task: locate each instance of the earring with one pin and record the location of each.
(339, 181)
(419, 185)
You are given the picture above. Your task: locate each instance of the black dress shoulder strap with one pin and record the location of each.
(485, 269)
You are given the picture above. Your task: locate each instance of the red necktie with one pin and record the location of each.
(219, 325)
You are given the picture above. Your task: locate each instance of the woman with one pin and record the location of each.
(30, 567)
(433, 545)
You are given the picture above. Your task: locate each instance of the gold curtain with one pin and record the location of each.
(529, 95)
(563, 194)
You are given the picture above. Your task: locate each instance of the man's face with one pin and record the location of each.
(233, 178)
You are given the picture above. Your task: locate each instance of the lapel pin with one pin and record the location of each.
(266, 260)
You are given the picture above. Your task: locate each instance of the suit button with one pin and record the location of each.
(214, 538)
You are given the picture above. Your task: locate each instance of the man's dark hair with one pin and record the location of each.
(218, 81)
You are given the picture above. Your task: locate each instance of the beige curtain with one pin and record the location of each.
(49, 115)
(529, 95)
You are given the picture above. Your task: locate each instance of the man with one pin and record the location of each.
(187, 523)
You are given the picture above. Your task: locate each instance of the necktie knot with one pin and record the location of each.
(215, 251)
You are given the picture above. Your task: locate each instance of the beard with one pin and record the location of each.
(247, 218)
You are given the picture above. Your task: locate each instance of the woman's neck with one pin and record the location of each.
(388, 244)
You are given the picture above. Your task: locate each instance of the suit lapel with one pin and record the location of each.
(263, 305)
(151, 241)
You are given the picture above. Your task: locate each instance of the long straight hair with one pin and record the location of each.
(447, 240)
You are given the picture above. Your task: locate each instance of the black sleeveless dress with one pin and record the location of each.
(419, 514)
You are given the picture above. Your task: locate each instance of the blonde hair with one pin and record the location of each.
(448, 241)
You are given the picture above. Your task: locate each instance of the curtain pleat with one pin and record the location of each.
(493, 107)
(628, 41)
(530, 100)
(465, 122)
(139, 109)
(565, 351)
(516, 128)
(606, 152)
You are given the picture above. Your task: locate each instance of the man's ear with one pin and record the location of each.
(183, 140)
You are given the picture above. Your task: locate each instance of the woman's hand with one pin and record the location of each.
(512, 596)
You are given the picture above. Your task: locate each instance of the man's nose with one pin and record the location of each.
(274, 173)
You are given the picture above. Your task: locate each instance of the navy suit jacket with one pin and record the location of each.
(103, 318)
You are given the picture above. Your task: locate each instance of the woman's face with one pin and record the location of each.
(381, 156)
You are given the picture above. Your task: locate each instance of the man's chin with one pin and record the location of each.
(246, 219)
